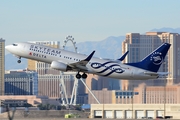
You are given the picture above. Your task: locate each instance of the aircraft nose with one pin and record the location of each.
(8, 47)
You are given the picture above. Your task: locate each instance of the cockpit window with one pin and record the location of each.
(15, 44)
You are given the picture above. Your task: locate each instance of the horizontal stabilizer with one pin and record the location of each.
(151, 73)
(163, 74)
(158, 74)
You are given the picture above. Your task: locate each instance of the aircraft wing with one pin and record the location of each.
(81, 65)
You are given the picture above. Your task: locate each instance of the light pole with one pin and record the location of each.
(165, 81)
(132, 100)
(103, 106)
(132, 105)
(103, 100)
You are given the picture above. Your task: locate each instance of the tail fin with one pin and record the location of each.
(153, 61)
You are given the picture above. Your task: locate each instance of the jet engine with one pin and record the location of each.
(59, 66)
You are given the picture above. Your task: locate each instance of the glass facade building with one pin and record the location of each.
(21, 83)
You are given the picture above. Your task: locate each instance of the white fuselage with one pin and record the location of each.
(95, 65)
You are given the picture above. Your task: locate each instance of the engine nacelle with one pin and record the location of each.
(59, 66)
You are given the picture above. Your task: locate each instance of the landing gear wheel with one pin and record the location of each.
(78, 76)
(84, 75)
(19, 61)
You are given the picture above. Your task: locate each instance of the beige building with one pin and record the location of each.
(95, 82)
(157, 94)
(91, 82)
(112, 96)
(135, 111)
(141, 45)
(140, 95)
(2, 67)
(104, 96)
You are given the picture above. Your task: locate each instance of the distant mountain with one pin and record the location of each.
(107, 48)
(166, 29)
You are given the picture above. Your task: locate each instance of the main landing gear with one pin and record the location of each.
(84, 76)
(19, 61)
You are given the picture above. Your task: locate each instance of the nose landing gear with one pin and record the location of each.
(19, 61)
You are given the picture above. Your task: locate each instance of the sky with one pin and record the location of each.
(85, 20)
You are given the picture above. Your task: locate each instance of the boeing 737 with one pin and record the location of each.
(64, 60)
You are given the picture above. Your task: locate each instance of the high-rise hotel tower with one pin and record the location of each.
(2, 48)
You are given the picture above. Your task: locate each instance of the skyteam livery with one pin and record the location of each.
(70, 61)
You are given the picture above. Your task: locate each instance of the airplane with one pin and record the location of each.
(64, 60)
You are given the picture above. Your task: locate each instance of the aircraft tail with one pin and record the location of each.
(153, 61)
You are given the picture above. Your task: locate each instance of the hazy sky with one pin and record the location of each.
(85, 20)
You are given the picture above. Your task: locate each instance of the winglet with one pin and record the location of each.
(89, 57)
(123, 57)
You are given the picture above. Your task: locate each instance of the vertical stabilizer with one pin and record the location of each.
(153, 61)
